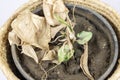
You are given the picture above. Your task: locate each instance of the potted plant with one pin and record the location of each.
(61, 42)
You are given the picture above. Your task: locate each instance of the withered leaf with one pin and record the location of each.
(60, 9)
(84, 62)
(13, 38)
(55, 30)
(50, 55)
(32, 29)
(29, 51)
(52, 7)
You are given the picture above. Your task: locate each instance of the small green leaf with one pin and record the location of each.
(84, 37)
(65, 53)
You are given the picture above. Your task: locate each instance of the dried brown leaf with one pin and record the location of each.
(54, 7)
(56, 62)
(55, 30)
(32, 29)
(60, 9)
(13, 39)
(50, 55)
(29, 51)
(84, 62)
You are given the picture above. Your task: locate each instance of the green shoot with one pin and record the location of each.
(62, 21)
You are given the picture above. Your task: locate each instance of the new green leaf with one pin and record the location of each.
(84, 37)
(65, 53)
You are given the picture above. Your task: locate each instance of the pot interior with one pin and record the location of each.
(102, 50)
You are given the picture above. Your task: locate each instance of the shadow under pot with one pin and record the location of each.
(103, 51)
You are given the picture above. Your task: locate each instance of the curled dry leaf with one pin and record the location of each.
(13, 38)
(55, 30)
(29, 51)
(60, 9)
(84, 62)
(32, 29)
(50, 55)
(53, 7)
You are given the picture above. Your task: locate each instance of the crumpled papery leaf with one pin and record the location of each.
(55, 30)
(54, 7)
(29, 51)
(84, 62)
(32, 29)
(13, 38)
(50, 55)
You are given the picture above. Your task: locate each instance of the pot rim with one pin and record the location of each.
(100, 17)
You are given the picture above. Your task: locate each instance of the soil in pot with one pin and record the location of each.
(101, 51)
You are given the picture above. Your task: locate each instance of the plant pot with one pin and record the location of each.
(103, 50)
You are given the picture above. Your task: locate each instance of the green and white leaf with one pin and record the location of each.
(84, 37)
(65, 53)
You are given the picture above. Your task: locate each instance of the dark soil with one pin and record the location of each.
(100, 52)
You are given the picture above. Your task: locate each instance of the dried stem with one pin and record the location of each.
(45, 72)
(73, 12)
(57, 38)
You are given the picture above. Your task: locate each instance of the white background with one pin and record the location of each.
(7, 7)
